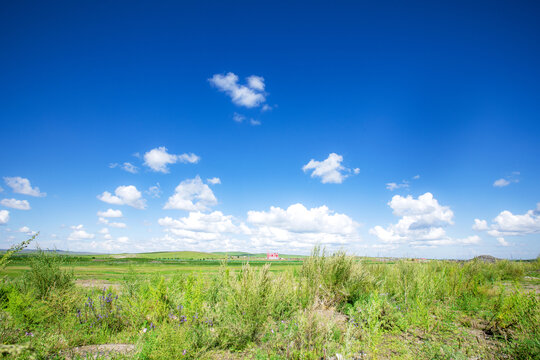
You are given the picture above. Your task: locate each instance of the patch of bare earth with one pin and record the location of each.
(106, 351)
(92, 283)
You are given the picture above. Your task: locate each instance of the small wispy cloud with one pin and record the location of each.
(512, 178)
(127, 166)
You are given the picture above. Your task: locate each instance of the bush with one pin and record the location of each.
(46, 274)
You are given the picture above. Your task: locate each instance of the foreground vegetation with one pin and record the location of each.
(323, 307)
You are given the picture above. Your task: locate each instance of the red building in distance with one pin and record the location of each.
(272, 256)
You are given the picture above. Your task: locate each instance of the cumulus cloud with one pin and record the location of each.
(214, 181)
(301, 228)
(26, 230)
(4, 217)
(110, 213)
(329, 170)
(502, 182)
(250, 95)
(79, 233)
(158, 159)
(480, 225)
(422, 221)
(199, 230)
(123, 239)
(509, 224)
(16, 204)
(21, 185)
(124, 195)
(117, 225)
(191, 195)
(105, 233)
(256, 82)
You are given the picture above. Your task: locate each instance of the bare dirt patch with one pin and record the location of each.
(92, 283)
(102, 351)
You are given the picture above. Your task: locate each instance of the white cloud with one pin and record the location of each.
(110, 213)
(214, 181)
(266, 107)
(105, 233)
(249, 96)
(508, 224)
(123, 239)
(421, 220)
(1, 189)
(16, 204)
(24, 229)
(329, 170)
(503, 242)
(117, 225)
(4, 217)
(301, 228)
(191, 195)
(79, 233)
(215, 222)
(393, 186)
(480, 225)
(501, 183)
(256, 82)
(102, 220)
(21, 185)
(129, 167)
(416, 177)
(202, 231)
(154, 191)
(470, 240)
(507, 180)
(238, 117)
(254, 122)
(158, 159)
(124, 195)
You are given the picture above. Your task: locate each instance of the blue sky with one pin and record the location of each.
(381, 128)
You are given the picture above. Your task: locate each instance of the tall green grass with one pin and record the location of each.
(334, 305)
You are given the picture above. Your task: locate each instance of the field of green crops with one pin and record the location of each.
(190, 305)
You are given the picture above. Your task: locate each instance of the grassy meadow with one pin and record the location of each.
(190, 305)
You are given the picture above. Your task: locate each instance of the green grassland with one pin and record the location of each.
(194, 305)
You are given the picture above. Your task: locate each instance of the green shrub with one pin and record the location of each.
(46, 274)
